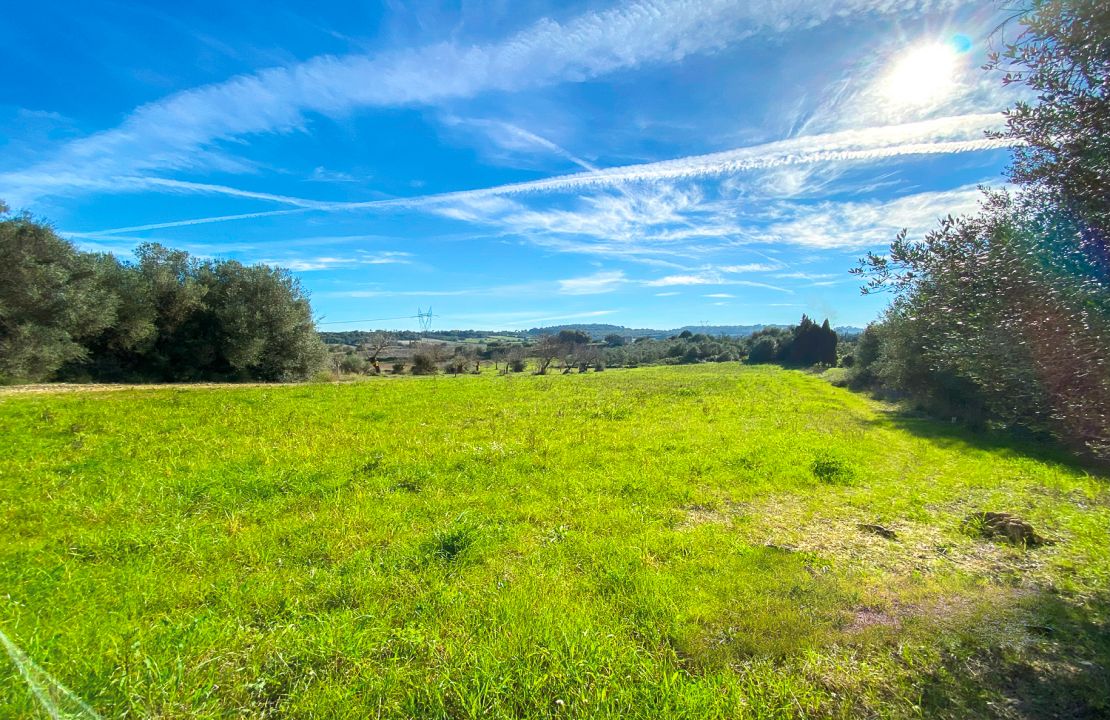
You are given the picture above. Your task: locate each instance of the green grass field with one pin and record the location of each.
(654, 543)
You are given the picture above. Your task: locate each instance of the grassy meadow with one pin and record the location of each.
(666, 542)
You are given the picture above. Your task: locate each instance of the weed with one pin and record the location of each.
(829, 468)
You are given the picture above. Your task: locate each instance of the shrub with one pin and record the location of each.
(764, 350)
(424, 364)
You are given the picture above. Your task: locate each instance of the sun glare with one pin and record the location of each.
(922, 75)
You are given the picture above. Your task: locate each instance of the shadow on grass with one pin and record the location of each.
(1054, 663)
(959, 436)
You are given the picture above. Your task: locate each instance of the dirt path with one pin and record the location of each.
(45, 388)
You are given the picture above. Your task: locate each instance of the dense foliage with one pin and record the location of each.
(804, 344)
(67, 314)
(1004, 317)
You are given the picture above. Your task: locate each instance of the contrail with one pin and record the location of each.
(59, 701)
(929, 137)
(185, 129)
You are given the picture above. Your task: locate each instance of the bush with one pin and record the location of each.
(424, 364)
(353, 363)
(398, 368)
(765, 350)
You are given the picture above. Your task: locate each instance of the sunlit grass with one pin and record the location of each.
(661, 542)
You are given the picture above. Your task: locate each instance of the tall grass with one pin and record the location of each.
(659, 542)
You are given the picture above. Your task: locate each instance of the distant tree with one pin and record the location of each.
(827, 344)
(614, 340)
(764, 350)
(465, 358)
(374, 344)
(427, 359)
(809, 344)
(546, 351)
(573, 337)
(571, 344)
(517, 360)
(589, 356)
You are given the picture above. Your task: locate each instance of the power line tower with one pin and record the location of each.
(425, 319)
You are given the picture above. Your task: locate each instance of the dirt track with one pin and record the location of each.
(42, 388)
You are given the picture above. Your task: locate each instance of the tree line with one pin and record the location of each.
(1002, 318)
(803, 345)
(166, 316)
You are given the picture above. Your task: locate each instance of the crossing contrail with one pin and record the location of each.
(948, 135)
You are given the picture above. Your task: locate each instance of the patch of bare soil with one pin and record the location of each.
(866, 618)
(902, 547)
(696, 515)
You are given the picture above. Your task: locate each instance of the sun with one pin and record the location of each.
(922, 75)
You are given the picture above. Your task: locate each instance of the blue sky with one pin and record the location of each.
(510, 164)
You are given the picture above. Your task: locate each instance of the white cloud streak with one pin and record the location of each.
(386, 257)
(709, 278)
(963, 133)
(596, 284)
(850, 225)
(186, 130)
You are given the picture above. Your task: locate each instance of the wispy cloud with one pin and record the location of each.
(186, 130)
(962, 133)
(524, 319)
(362, 257)
(399, 293)
(938, 136)
(669, 280)
(510, 137)
(867, 224)
(322, 174)
(709, 278)
(751, 267)
(596, 284)
(804, 276)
